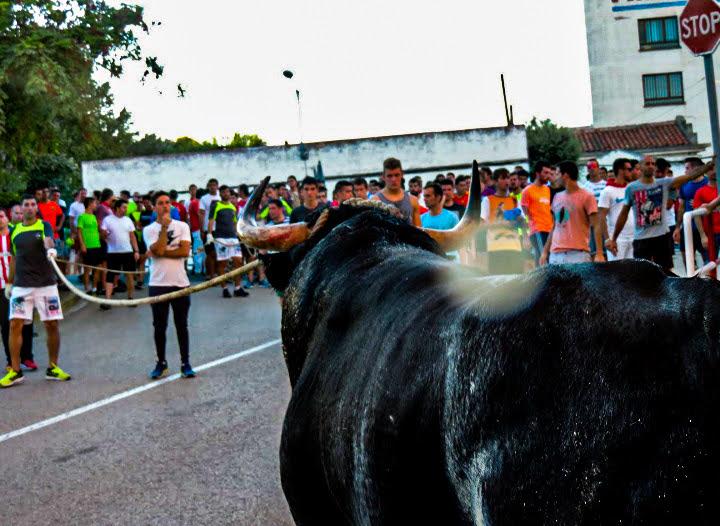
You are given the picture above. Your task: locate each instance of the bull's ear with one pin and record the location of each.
(278, 269)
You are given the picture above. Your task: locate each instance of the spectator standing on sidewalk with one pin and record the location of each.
(205, 202)
(574, 212)
(310, 203)
(168, 243)
(504, 244)
(122, 249)
(610, 205)
(27, 361)
(89, 245)
(648, 198)
(222, 230)
(535, 203)
(438, 217)
(193, 209)
(32, 285)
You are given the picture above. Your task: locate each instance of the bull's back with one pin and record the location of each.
(593, 402)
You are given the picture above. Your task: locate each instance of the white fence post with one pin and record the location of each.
(688, 233)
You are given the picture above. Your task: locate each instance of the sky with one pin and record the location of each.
(364, 68)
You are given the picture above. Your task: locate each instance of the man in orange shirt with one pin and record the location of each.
(535, 202)
(503, 244)
(50, 211)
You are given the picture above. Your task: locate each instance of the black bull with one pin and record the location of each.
(584, 394)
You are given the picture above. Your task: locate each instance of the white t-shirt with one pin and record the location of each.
(76, 210)
(167, 272)
(118, 237)
(205, 203)
(613, 198)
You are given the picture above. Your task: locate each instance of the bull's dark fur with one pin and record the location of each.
(594, 401)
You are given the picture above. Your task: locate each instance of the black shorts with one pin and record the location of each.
(245, 253)
(94, 257)
(209, 249)
(654, 249)
(120, 261)
(142, 247)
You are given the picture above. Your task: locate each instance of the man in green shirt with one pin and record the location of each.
(89, 245)
(132, 206)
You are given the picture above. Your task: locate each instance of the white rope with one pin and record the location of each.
(154, 299)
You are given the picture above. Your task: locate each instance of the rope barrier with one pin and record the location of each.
(155, 299)
(104, 269)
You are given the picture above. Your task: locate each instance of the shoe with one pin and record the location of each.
(9, 368)
(28, 365)
(265, 284)
(105, 307)
(187, 371)
(240, 293)
(138, 286)
(159, 371)
(56, 374)
(246, 283)
(12, 378)
(226, 293)
(121, 287)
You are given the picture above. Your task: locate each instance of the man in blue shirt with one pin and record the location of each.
(438, 217)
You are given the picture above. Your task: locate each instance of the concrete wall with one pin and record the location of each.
(427, 153)
(617, 66)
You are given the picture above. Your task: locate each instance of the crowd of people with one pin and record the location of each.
(548, 216)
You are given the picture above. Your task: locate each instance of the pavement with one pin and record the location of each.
(186, 451)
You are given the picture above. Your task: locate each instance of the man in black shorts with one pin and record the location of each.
(122, 249)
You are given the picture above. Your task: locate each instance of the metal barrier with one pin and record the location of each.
(690, 246)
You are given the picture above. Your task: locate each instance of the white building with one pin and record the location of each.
(639, 70)
(424, 154)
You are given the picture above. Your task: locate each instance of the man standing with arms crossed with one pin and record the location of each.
(32, 285)
(168, 242)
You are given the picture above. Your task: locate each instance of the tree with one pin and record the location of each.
(551, 143)
(50, 105)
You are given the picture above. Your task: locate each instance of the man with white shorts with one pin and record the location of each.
(222, 230)
(32, 285)
(612, 199)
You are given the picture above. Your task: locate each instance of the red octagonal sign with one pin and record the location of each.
(700, 26)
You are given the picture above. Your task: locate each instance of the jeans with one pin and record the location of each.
(538, 240)
(197, 256)
(27, 331)
(161, 312)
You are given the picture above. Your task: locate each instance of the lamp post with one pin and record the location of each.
(304, 154)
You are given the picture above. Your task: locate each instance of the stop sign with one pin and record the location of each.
(700, 26)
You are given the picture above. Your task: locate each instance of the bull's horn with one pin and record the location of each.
(277, 237)
(470, 223)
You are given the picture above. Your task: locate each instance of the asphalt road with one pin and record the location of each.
(190, 451)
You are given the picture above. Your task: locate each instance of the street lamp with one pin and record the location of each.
(304, 154)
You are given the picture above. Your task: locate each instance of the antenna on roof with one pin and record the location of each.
(508, 112)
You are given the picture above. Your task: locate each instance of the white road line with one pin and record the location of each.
(129, 393)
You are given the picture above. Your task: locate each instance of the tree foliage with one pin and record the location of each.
(53, 113)
(154, 145)
(551, 143)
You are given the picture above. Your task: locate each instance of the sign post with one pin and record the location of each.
(700, 32)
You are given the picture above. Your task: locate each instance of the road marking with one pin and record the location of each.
(131, 392)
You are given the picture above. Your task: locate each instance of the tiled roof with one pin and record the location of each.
(647, 136)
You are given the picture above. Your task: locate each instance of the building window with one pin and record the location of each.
(662, 89)
(658, 33)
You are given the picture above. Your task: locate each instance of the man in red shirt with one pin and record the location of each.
(709, 225)
(179, 206)
(193, 219)
(462, 189)
(50, 211)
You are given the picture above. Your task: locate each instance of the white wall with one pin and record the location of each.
(492, 146)
(617, 67)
